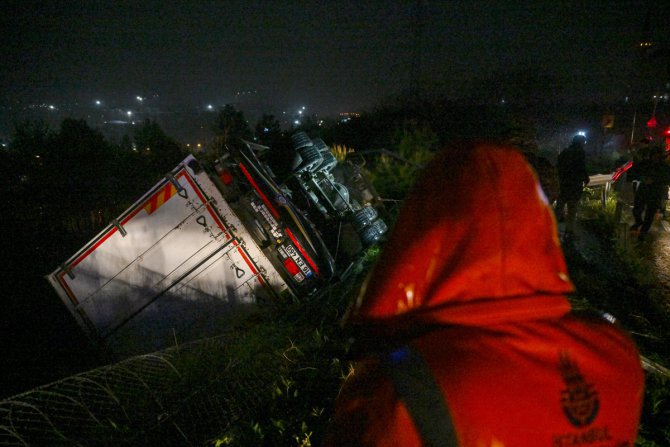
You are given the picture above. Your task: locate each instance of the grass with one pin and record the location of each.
(307, 349)
(620, 279)
(310, 349)
(273, 378)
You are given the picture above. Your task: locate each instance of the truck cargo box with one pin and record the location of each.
(213, 240)
(175, 263)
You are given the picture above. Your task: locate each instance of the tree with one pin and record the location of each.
(393, 175)
(230, 127)
(160, 152)
(268, 130)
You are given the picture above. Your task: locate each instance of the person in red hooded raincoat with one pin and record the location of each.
(467, 334)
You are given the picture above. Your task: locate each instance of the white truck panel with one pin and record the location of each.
(176, 263)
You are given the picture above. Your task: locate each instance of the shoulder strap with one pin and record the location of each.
(422, 396)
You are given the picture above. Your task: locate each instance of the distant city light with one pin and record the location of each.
(139, 98)
(299, 112)
(210, 107)
(52, 107)
(98, 102)
(265, 129)
(129, 113)
(296, 122)
(303, 107)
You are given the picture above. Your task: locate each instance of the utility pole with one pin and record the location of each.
(644, 47)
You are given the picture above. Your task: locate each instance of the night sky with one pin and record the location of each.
(331, 56)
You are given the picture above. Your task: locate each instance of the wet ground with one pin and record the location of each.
(660, 250)
(654, 250)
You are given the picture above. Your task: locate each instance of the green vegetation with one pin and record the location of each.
(310, 348)
(60, 187)
(295, 353)
(616, 276)
(393, 174)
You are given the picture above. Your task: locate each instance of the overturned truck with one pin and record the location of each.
(213, 240)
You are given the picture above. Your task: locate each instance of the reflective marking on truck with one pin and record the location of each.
(238, 271)
(158, 199)
(204, 200)
(104, 237)
(251, 264)
(137, 209)
(61, 280)
(293, 270)
(302, 250)
(97, 243)
(302, 265)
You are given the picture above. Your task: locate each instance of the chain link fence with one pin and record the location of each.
(145, 400)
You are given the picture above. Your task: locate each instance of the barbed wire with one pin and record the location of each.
(140, 401)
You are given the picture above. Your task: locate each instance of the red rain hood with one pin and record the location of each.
(476, 243)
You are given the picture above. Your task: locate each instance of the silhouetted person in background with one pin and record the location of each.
(572, 177)
(653, 175)
(464, 334)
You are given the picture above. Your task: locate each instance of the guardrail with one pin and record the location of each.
(600, 180)
(604, 182)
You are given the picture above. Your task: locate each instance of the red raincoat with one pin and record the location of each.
(475, 257)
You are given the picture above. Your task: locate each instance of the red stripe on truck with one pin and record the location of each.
(258, 190)
(302, 251)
